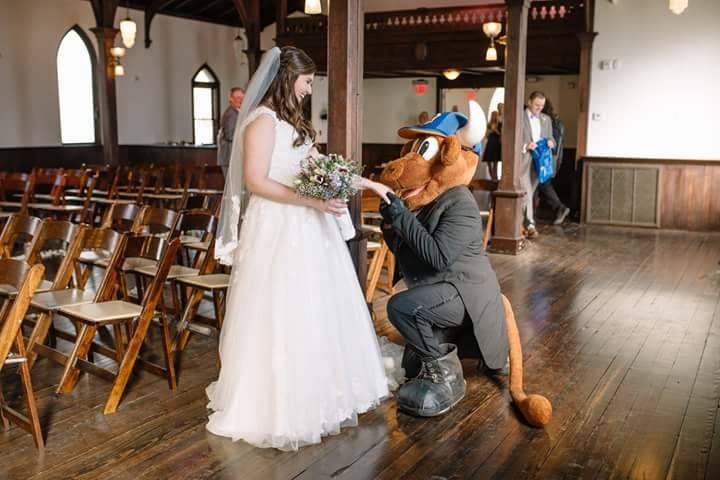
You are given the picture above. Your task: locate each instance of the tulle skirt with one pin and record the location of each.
(298, 350)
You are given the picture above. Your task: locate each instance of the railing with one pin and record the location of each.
(455, 18)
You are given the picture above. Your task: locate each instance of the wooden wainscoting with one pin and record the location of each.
(24, 159)
(686, 192)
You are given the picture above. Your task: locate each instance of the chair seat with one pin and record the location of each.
(131, 263)
(213, 281)
(162, 196)
(54, 299)
(11, 291)
(94, 256)
(56, 208)
(14, 358)
(103, 313)
(176, 271)
(193, 243)
(372, 246)
(111, 201)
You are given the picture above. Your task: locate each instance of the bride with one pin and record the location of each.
(298, 350)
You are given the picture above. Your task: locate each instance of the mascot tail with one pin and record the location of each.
(536, 409)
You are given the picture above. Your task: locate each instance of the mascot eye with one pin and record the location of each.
(429, 148)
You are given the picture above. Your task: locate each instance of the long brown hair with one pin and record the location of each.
(281, 93)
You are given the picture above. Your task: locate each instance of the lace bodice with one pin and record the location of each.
(285, 162)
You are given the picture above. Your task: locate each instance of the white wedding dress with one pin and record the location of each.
(298, 349)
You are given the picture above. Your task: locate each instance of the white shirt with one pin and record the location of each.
(534, 126)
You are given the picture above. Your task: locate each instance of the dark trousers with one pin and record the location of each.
(415, 311)
(547, 191)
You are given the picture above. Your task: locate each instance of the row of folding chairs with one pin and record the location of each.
(152, 259)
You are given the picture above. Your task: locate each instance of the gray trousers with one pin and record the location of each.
(415, 311)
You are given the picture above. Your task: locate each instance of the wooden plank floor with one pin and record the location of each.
(621, 330)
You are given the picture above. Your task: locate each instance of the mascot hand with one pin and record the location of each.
(391, 210)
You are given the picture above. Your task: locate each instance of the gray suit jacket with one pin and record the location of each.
(546, 131)
(443, 243)
(225, 135)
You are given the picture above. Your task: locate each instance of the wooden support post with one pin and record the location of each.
(508, 236)
(105, 32)
(249, 12)
(345, 74)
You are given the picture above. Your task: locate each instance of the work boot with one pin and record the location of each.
(411, 363)
(438, 387)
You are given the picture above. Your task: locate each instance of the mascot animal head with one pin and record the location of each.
(439, 156)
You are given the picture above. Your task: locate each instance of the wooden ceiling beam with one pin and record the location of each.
(249, 12)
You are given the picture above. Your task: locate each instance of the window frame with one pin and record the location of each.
(93, 67)
(215, 89)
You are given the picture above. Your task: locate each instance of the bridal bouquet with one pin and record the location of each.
(330, 177)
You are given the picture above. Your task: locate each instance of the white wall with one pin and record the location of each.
(664, 100)
(388, 104)
(154, 96)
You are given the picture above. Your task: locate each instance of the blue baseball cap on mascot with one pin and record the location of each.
(452, 123)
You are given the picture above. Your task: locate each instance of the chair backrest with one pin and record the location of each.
(198, 220)
(16, 183)
(19, 228)
(154, 220)
(59, 231)
(155, 290)
(213, 177)
(123, 217)
(116, 243)
(50, 181)
(26, 281)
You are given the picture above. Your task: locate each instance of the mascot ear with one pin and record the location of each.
(450, 150)
(406, 148)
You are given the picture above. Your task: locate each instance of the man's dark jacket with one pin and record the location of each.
(442, 242)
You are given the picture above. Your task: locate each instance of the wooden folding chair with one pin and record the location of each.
(206, 281)
(25, 280)
(48, 303)
(380, 255)
(19, 229)
(15, 191)
(91, 316)
(71, 236)
(490, 186)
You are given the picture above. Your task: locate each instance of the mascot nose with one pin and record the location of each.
(393, 170)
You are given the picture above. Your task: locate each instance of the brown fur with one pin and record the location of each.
(452, 166)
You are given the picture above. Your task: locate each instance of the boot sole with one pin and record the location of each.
(419, 413)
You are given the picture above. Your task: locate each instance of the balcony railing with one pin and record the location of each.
(565, 14)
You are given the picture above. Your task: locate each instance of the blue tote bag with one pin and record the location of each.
(542, 160)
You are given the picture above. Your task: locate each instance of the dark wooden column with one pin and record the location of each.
(586, 40)
(249, 12)
(345, 74)
(105, 32)
(281, 16)
(508, 236)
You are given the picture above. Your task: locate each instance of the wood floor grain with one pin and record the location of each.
(620, 330)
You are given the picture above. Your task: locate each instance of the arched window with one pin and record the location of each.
(76, 88)
(205, 99)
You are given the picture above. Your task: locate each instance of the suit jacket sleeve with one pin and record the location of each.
(457, 227)
(228, 121)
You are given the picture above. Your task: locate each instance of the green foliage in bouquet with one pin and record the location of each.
(327, 177)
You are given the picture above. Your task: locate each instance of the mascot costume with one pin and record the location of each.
(453, 306)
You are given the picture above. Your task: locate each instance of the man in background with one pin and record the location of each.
(536, 125)
(227, 128)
